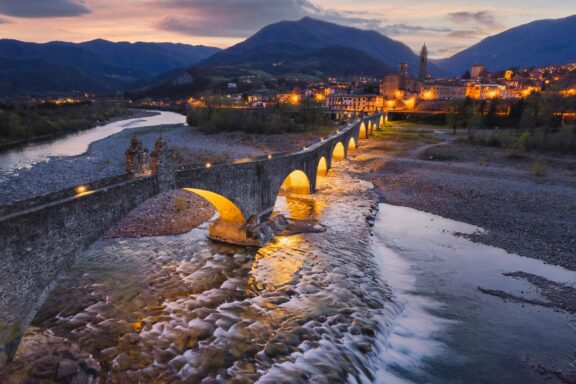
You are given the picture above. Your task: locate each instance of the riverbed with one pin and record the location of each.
(97, 153)
(394, 303)
(73, 144)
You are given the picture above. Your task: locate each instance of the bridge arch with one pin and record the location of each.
(363, 134)
(339, 152)
(352, 144)
(296, 182)
(228, 210)
(322, 168)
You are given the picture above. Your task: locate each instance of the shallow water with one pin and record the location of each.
(450, 332)
(77, 143)
(305, 308)
(399, 304)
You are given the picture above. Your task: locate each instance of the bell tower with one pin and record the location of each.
(423, 73)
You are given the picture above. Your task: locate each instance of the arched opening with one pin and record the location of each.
(322, 167)
(363, 134)
(351, 144)
(369, 127)
(381, 120)
(228, 210)
(339, 153)
(296, 182)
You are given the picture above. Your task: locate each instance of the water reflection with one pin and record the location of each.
(184, 309)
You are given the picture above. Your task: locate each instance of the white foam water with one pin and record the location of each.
(447, 330)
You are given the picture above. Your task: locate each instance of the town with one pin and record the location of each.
(396, 92)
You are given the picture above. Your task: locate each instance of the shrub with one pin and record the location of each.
(180, 204)
(538, 168)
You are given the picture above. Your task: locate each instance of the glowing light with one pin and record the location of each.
(492, 94)
(296, 182)
(410, 103)
(227, 209)
(363, 134)
(338, 153)
(428, 95)
(81, 189)
(208, 165)
(322, 167)
(269, 157)
(351, 144)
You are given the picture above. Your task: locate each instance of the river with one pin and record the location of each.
(77, 143)
(397, 303)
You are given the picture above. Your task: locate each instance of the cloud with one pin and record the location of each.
(42, 8)
(240, 18)
(485, 18)
(4, 21)
(448, 51)
(403, 29)
(465, 34)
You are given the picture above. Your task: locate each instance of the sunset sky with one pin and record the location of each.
(445, 25)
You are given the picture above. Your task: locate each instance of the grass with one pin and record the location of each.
(407, 136)
(522, 140)
(413, 125)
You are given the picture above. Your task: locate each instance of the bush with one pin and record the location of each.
(538, 168)
(180, 204)
(269, 121)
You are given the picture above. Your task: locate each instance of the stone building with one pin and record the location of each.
(355, 102)
(423, 69)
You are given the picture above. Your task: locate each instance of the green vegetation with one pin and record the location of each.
(539, 122)
(538, 168)
(308, 116)
(22, 122)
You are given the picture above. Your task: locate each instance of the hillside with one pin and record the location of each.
(94, 66)
(538, 43)
(288, 39)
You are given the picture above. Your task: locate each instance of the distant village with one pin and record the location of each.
(402, 91)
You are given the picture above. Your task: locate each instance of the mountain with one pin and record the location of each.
(38, 75)
(104, 65)
(538, 43)
(287, 40)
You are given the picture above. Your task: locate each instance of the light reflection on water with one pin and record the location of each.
(181, 308)
(450, 332)
(339, 306)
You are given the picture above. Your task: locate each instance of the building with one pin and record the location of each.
(399, 86)
(481, 91)
(404, 69)
(477, 71)
(355, 103)
(423, 69)
(443, 90)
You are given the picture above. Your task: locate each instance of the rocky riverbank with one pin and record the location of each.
(523, 212)
(524, 201)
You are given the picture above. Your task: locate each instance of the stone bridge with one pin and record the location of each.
(42, 236)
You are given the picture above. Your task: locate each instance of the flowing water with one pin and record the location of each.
(393, 305)
(77, 143)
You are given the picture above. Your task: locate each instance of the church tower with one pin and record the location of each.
(423, 63)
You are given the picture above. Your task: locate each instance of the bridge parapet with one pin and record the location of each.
(41, 236)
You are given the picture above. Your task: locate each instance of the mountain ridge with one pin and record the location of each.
(538, 43)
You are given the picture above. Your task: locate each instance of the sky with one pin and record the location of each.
(446, 26)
